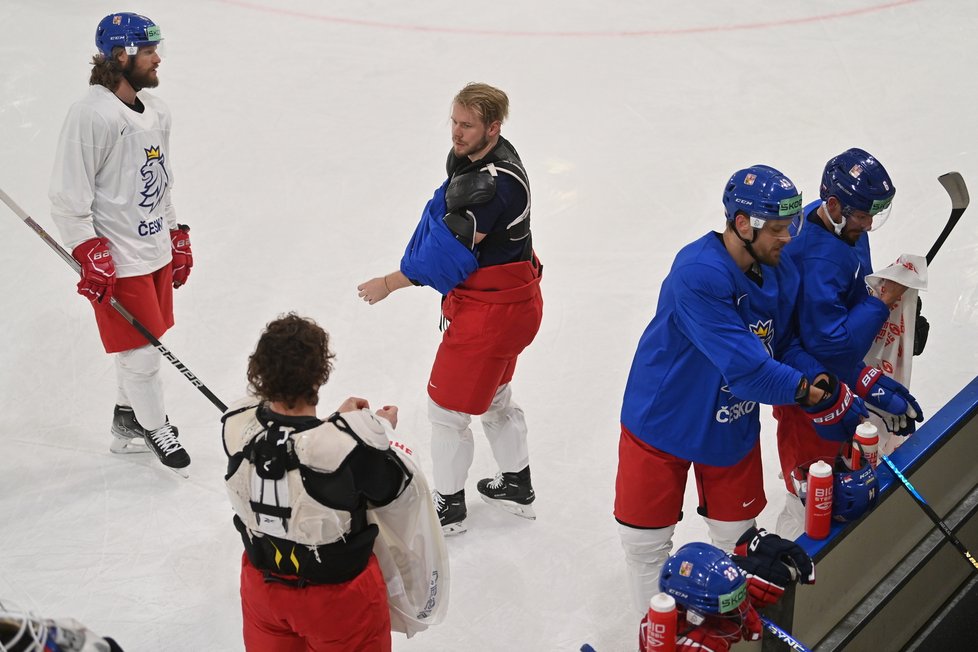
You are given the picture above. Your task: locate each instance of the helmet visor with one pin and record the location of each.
(875, 217)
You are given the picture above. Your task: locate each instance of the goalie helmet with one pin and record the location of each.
(860, 183)
(704, 579)
(854, 492)
(125, 30)
(762, 193)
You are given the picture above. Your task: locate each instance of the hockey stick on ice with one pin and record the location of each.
(941, 525)
(784, 636)
(58, 249)
(954, 185)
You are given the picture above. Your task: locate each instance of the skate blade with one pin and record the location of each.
(453, 529)
(182, 472)
(126, 446)
(523, 511)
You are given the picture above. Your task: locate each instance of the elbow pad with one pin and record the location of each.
(462, 225)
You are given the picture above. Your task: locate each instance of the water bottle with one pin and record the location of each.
(867, 440)
(818, 502)
(660, 636)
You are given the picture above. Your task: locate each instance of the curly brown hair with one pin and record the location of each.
(106, 72)
(291, 362)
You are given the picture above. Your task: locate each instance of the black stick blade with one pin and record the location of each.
(956, 189)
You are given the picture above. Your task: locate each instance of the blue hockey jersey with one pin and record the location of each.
(718, 345)
(837, 317)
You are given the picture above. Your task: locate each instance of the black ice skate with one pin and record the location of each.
(451, 512)
(163, 442)
(127, 435)
(511, 492)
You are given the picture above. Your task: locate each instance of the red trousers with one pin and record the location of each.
(347, 617)
(798, 443)
(494, 315)
(149, 298)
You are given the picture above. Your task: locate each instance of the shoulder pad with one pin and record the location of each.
(240, 427)
(370, 428)
(470, 188)
(323, 448)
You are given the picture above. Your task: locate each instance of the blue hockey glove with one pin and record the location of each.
(836, 416)
(890, 400)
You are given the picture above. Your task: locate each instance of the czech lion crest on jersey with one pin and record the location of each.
(765, 332)
(155, 178)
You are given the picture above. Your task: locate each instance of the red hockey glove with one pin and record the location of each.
(893, 402)
(97, 270)
(183, 257)
(771, 563)
(718, 633)
(836, 416)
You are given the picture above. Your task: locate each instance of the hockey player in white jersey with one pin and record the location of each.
(110, 199)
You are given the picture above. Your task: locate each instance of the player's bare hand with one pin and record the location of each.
(352, 404)
(389, 412)
(890, 292)
(374, 290)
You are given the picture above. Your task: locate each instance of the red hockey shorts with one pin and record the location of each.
(651, 483)
(798, 442)
(336, 617)
(149, 298)
(494, 315)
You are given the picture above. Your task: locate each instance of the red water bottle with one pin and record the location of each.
(818, 503)
(660, 636)
(867, 439)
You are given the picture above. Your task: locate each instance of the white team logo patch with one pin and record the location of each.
(155, 178)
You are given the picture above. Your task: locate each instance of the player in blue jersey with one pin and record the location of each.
(722, 340)
(840, 315)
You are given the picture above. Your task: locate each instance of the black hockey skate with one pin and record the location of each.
(451, 512)
(511, 492)
(127, 435)
(163, 441)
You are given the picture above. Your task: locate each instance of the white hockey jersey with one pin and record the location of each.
(112, 178)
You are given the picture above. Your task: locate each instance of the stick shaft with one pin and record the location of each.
(784, 636)
(941, 525)
(65, 256)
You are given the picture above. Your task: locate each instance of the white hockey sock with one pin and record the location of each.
(791, 520)
(452, 448)
(646, 551)
(505, 428)
(138, 371)
(724, 534)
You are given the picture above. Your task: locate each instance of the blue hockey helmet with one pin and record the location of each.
(854, 492)
(860, 183)
(704, 579)
(125, 30)
(763, 193)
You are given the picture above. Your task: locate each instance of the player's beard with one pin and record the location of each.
(140, 80)
(472, 149)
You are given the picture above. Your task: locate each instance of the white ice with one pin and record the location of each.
(307, 137)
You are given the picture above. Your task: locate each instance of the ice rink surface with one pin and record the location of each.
(307, 137)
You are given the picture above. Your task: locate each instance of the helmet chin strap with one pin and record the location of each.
(836, 226)
(748, 244)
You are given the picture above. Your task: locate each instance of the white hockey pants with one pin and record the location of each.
(724, 534)
(646, 550)
(453, 448)
(791, 520)
(140, 385)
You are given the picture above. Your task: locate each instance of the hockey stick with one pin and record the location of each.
(958, 191)
(58, 249)
(941, 525)
(782, 635)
